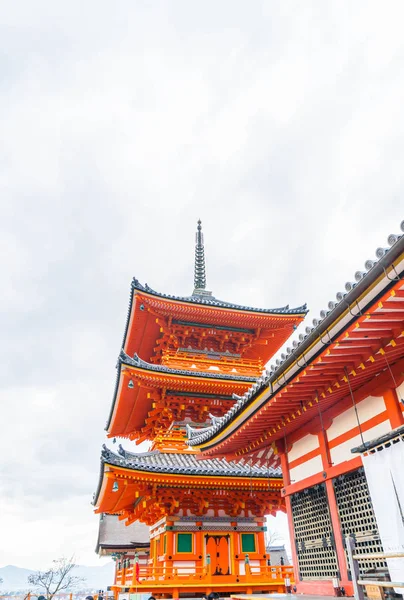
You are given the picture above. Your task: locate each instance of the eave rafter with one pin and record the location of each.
(147, 496)
(141, 406)
(365, 349)
(340, 385)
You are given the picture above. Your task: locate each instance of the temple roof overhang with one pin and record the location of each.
(129, 481)
(113, 536)
(146, 306)
(382, 442)
(136, 379)
(359, 338)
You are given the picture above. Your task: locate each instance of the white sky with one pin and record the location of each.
(279, 124)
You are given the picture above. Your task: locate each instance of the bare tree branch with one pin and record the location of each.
(272, 537)
(56, 579)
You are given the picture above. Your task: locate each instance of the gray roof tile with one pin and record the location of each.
(374, 268)
(179, 463)
(211, 301)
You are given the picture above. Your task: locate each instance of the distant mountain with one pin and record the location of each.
(14, 578)
(96, 578)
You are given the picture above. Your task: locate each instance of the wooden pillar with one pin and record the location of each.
(286, 483)
(324, 450)
(285, 468)
(393, 408)
(339, 544)
(295, 561)
(261, 540)
(170, 543)
(261, 548)
(198, 544)
(233, 553)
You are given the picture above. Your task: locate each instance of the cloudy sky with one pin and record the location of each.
(280, 124)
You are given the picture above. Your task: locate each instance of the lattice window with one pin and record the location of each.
(314, 538)
(357, 517)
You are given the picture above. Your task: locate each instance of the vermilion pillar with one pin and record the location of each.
(286, 483)
(292, 538)
(393, 408)
(324, 449)
(285, 469)
(339, 543)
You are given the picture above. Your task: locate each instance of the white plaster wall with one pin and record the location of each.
(301, 447)
(342, 452)
(310, 467)
(368, 408)
(255, 566)
(185, 567)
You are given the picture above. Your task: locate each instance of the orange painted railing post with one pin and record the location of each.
(208, 570)
(247, 564)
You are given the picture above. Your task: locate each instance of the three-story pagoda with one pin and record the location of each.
(184, 363)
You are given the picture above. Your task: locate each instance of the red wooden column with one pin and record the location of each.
(339, 544)
(285, 468)
(332, 503)
(286, 483)
(394, 411)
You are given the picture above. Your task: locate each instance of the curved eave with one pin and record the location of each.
(183, 478)
(129, 479)
(363, 296)
(211, 302)
(106, 500)
(162, 377)
(141, 330)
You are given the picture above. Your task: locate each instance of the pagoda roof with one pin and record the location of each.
(149, 485)
(162, 375)
(208, 300)
(142, 364)
(177, 463)
(152, 315)
(142, 329)
(376, 295)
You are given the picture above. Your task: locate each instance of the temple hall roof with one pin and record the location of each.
(114, 535)
(296, 358)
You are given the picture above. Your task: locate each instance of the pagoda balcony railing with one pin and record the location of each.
(166, 575)
(203, 362)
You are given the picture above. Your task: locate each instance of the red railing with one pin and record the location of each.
(164, 575)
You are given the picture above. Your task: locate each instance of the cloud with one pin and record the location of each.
(279, 125)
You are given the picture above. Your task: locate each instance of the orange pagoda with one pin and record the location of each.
(186, 362)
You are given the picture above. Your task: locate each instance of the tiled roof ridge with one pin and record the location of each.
(212, 301)
(178, 463)
(136, 361)
(199, 436)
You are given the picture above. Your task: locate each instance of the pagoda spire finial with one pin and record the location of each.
(200, 269)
